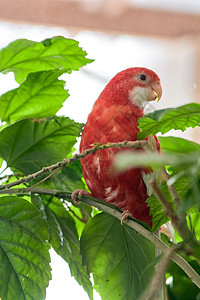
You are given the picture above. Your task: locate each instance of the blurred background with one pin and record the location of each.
(161, 35)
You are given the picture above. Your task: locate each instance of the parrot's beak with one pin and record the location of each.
(156, 91)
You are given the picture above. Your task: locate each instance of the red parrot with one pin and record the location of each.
(114, 118)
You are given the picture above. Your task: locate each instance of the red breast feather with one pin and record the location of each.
(114, 119)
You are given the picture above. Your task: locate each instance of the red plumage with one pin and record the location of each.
(114, 118)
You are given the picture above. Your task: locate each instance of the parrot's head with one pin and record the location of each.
(140, 85)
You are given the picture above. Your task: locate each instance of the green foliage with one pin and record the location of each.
(32, 136)
(37, 138)
(63, 238)
(28, 144)
(178, 145)
(24, 256)
(23, 56)
(41, 95)
(118, 257)
(183, 158)
(181, 286)
(156, 209)
(172, 118)
(127, 160)
(70, 179)
(193, 220)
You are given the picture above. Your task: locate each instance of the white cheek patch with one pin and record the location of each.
(139, 95)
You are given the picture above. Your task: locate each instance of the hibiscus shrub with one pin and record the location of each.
(37, 213)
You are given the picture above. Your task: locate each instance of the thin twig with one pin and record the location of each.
(44, 179)
(84, 219)
(157, 281)
(65, 161)
(178, 223)
(172, 189)
(192, 274)
(103, 206)
(169, 211)
(25, 191)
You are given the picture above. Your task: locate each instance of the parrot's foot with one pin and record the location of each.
(125, 215)
(79, 193)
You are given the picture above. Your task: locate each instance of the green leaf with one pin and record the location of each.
(80, 214)
(118, 257)
(191, 201)
(193, 221)
(24, 256)
(182, 287)
(64, 239)
(172, 118)
(1, 162)
(179, 146)
(40, 95)
(69, 179)
(28, 145)
(37, 202)
(171, 144)
(126, 160)
(156, 209)
(24, 56)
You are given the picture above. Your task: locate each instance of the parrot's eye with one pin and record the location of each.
(142, 77)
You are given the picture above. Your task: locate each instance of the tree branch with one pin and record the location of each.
(172, 190)
(84, 219)
(113, 211)
(178, 222)
(62, 164)
(169, 211)
(157, 281)
(192, 274)
(4, 189)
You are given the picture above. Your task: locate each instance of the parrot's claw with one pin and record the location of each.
(79, 193)
(125, 215)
